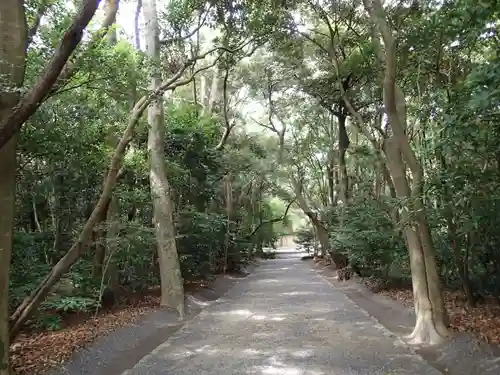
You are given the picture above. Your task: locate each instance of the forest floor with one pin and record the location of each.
(483, 320)
(39, 351)
(473, 347)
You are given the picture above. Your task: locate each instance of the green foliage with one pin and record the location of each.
(304, 237)
(369, 239)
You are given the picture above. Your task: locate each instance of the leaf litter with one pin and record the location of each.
(482, 320)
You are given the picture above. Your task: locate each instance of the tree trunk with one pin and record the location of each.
(99, 237)
(13, 39)
(7, 202)
(214, 91)
(106, 229)
(343, 145)
(432, 319)
(344, 178)
(428, 327)
(172, 288)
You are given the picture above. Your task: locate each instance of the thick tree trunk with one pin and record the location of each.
(7, 200)
(172, 288)
(13, 40)
(432, 320)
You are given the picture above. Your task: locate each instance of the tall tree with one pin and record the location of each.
(172, 287)
(13, 36)
(432, 319)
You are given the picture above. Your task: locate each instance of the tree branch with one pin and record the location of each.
(275, 220)
(228, 126)
(190, 34)
(12, 123)
(70, 69)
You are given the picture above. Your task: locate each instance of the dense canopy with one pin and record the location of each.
(148, 142)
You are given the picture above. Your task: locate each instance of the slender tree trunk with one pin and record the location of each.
(31, 303)
(172, 288)
(106, 229)
(344, 178)
(214, 91)
(343, 145)
(203, 94)
(13, 39)
(99, 238)
(330, 171)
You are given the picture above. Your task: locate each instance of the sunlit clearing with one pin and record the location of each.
(264, 317)
(278, 318)
(251, 351)
(258, 317)
(198, 301)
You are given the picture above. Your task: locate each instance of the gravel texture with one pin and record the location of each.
(123, 348)
(283, 319)
(462, 354)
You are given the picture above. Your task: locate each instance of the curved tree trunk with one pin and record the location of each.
(172, 287)
(432, 319)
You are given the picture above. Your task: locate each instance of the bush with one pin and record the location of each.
(305, 238)
(370, 241)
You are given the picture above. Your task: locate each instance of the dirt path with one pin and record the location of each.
(283, 319)
(463, 354)
(122, 348)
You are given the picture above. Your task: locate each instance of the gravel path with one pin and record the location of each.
(282, 319)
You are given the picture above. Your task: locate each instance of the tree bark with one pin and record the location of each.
(107, 231)
(432, 320)
(172, 288)
(343, 145)
(13, 41)
(214, 91)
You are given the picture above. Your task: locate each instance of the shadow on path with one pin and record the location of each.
(282, 319)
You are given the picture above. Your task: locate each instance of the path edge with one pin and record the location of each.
(106, 350)
(461, 354)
